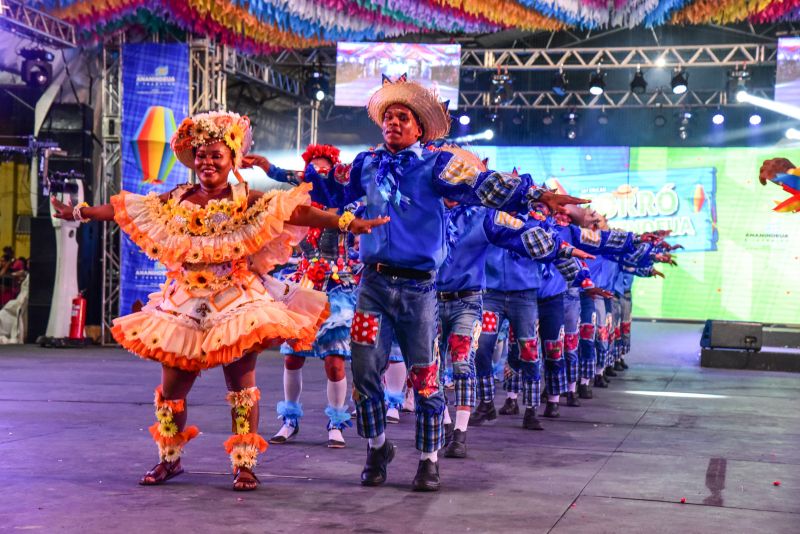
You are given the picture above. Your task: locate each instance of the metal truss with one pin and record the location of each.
(111, 165)
(257, 71)
(36, 24)
(307, 125)
(207, 80)
(607, 100)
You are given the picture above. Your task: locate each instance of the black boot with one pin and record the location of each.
(599, 382)
(572, 399)
(427, 477)
(448, 433)
(485, 411)
(510, 407)
(623, 364)
(618, 366)
(374, 473)
(530, 421)
(551, 410)
(585, 391)
(457, 448)
(610, 372)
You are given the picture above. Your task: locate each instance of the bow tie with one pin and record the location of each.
(390, 171)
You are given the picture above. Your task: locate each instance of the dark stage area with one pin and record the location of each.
(74, 442)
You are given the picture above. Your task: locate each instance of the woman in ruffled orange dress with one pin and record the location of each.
(218, 306)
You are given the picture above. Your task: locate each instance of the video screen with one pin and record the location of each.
(359, 67)
(787, 79)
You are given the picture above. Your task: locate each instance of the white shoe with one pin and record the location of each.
(392, 416)
(335, 439)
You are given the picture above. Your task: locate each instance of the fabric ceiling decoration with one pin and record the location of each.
(266, 26)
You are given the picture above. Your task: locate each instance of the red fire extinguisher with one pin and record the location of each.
(78, 317)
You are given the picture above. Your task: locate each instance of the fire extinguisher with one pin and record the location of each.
(78, 317)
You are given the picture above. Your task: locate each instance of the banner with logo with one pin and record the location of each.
(155, 98)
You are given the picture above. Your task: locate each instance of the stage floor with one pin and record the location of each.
(74, 442)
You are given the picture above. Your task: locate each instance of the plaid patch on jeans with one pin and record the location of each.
(586, 367)
(465, 389)
(538, 242)
(497, 188)
(572, 366)
(512, 380)
(531, 393)
(370, 417)
(484, 388)
(430, 431)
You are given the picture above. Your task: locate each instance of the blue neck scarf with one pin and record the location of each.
(390, 172)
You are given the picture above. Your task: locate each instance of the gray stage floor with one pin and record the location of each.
(74, 441)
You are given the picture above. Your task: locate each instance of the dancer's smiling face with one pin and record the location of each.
(213, 163)
(400, 127)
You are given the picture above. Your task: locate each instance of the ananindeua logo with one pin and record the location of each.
(160, 76)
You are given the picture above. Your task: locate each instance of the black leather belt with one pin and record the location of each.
(446, 296)
(402, 272)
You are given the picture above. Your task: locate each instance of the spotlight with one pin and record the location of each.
(559, 83)
(680, 82)
(718, 118)
(548, 119)
(661, 61)
(502, 89)
(488, 134)
(596, 83)
(683, 129)
(660, 121)
(638, 83)
(317, 85)
(793, 134)
(37, 69)
(602, 119)
(571, 131)
(492, 116)
(738, 81)
(683, 133)
(463, 120)
(755, 119)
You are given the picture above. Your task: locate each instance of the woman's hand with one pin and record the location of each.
(62, 211)
(365, 226)
(254, 160)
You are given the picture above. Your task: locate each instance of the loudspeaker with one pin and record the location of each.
(731, 335)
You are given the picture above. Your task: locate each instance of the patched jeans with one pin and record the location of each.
(572, 319)
(460, 325)
(551, 332)
(522, 312)
(587, 331)
(406, 309)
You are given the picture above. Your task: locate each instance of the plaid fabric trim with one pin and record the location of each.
(590, 237)
(497, 188)
(370, 417)
(464, 388)
(538, 242)
(617, 240)
(586, 367)
(430, 431)
(512, 380)
(457, 171)
(484, 388)
(555, 376)
(531, 393)
(568, 268)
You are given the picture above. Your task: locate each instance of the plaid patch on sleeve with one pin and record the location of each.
(459, 172)
(506, 220)
(590, 237)
(497, 188)
(538, 242)
(616, 239)
(569, 269)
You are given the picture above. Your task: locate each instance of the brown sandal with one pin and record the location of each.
(161, 472)
(245, 483)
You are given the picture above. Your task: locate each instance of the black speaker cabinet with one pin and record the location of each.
(731, 335)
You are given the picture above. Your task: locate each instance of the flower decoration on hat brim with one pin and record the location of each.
(227, 127)
(424, 103)
(329, 152)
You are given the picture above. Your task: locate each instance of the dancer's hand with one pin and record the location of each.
(597, 292)
(62, 211)
(365, 226)
(254, 160)
(558, 203)
(656, 272)
(581, 255)
(772, 167)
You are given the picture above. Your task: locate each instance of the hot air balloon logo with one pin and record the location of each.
(698, 198)
(151, 144)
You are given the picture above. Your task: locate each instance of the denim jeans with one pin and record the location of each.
(551, 332)
(407, 309)
(602, 349)
(625, 324)
(460, 329)
(616, 328)
(587, 355)
(522, 312)
(572, 319)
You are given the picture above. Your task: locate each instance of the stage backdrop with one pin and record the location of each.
(155, 98)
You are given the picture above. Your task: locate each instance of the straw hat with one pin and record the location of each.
(204, 128)
(432, 114)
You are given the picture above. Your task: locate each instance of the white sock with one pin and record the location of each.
(552, 398)
(572, 387)
(337, 393)
(447, 419)
(335, 434)
(432, 456)
(393, 413)
(511, 395)
(462, 420)
(585, 381)
(292, 384)
(395, 376)
(377, 442)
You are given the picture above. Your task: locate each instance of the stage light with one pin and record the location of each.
(679, 82)
(602, 119)
(718, 118)
(661, 61)
(548, 119)
(317, 85)
(463, 120)
(559, 83)
(596, 83)
(492, 116)
(793, 134)
(37, 69)
(488, 135)
(778, 107)
(502, 88)
(738, 80)
(755, 119)
(660, 121)
(638, 83)
(683, 129)
(571, 131)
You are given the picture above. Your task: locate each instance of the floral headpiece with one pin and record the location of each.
(204, 128)
(328, 152)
